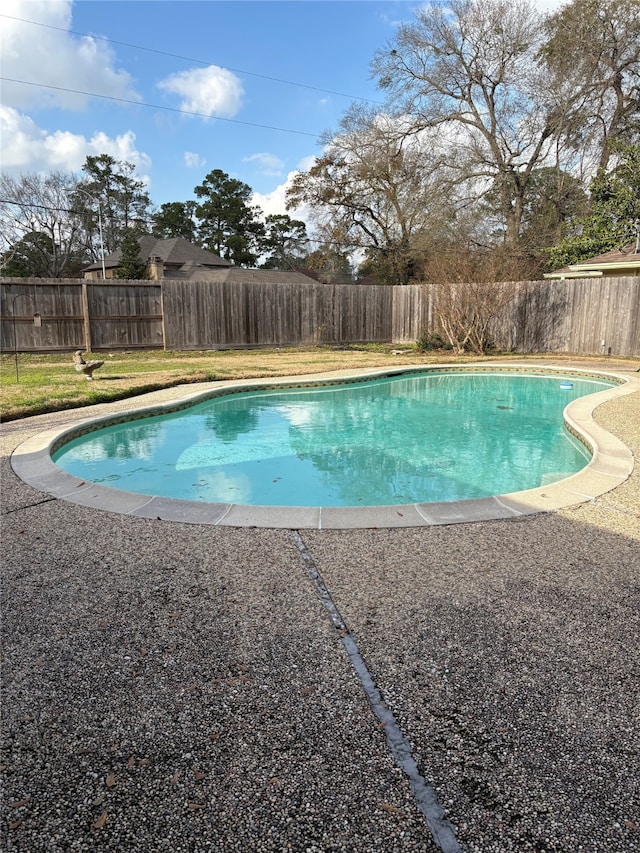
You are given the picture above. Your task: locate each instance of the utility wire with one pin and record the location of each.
(192, 59)
(158, 107)
(622, 236)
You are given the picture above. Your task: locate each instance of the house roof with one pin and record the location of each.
(626, 255)
(616, 262)
(239, 275)
(325, 276)
(175, 252)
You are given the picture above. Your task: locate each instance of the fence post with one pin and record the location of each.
(164, 331)
(85, 317)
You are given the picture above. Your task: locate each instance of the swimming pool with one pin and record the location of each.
(411, 438)
(611, 463)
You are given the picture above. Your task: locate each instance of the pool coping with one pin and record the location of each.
(611, 464)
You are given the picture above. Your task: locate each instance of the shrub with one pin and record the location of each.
(432, 341)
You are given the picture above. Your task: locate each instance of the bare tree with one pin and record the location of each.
(36, 210)
(466, 310)
(592, 49)
(472, 69)
(375, 187)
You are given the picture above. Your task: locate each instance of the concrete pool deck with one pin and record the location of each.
(192, 687)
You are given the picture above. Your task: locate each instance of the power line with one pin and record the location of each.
(158, 107)
(46, 207)
(343, 244)
(192, 59)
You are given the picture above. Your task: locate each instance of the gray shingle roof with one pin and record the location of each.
(239, 275)
(623, 261)
(615, 256)
(174, 251)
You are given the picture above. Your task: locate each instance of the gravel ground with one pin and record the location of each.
(180, 687)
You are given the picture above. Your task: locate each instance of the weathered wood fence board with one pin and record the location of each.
(76, 314)
(593, 315)
(412, 313)
(348, 313)
(204, 315)
(59, 306)
(582, 316)
(126, 317)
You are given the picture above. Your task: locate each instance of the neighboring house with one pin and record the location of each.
(164, 258)
(177, 259)
(241, 275)
(625, 261)
(327, 276)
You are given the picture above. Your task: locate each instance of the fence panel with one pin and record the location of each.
(412, 313)
(571, 315)
(57, 304)
(76, 314)
(212, 314)
(602, 314)
(617, 329)
(354, 314)
(585, 316)
(538, 319)
(125, 315)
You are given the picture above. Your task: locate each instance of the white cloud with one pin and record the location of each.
(549, 5)
(25, 147)
(210, 91)
(306, 163)
(55, 57)
(275, 201)
(269, 164)
(193, 160)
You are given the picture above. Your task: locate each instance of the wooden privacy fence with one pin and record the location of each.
(582, 316)
(72, 314)
(576, 315)
(202, 315)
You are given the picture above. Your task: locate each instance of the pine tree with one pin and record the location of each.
(131, 264)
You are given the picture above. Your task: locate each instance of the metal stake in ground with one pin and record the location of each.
(13, 312)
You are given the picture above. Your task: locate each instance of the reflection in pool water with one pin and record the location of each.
(405, 439)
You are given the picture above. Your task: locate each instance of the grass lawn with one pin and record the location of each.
(48, 382)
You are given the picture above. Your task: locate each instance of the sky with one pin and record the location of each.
(182, 87)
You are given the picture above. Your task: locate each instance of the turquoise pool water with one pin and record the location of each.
(410, 438)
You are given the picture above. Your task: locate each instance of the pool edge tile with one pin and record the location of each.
(474, 509)
(289, 517)
(188, 512)
(362, 517)
(107, 500)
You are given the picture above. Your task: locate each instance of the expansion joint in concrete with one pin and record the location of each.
(22, 507)
(424, 795)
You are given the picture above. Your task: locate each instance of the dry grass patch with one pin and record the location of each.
(47, 382)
